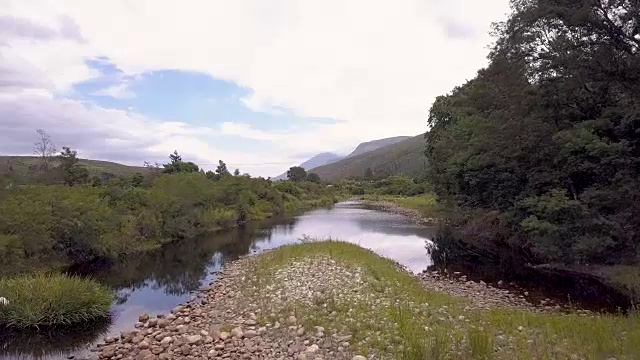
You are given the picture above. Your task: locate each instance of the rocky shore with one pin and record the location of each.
(247, 316)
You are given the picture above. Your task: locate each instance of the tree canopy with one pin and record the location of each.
(548, 135)
(296, 173)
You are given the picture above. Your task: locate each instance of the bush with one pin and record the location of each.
(50, 300)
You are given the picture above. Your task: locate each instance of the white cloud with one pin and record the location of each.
(118, 91)
(374, 65)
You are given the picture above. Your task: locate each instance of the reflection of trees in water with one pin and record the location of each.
(36, 344)
(393, 225)
(180, 267)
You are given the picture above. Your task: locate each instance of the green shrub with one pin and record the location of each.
(49, 300)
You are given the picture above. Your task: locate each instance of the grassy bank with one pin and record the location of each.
(425, 204)
(389, 312)
(52, 300)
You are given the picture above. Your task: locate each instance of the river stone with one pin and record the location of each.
(166, 340)
(144, 344)
(313, 348)
(108, 351)
(185, 349)
(358, 357)
(292, 320)
(157, 350)
(194, 339)
(300, 331)
(143, 317)
(153, 322)
(250, 333)
(250, 322)
(224, 335)
(136, 339)
(237, 332)
(145, 355)
(162, 323)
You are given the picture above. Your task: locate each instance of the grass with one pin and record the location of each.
(52, 300)
(396, 316)
(425, 204)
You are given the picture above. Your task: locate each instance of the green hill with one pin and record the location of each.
(404, 157)
(23, 167)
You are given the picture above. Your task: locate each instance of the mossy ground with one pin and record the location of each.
(392, 315)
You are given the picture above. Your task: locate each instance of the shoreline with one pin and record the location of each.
(219, 322)
(323, 300)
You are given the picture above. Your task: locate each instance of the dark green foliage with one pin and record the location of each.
(313, 177)
(72, 171)
(177, 165)
(51, 300)
(392, 185)
(297, 173)
(548, 135)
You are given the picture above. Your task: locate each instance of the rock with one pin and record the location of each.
(153, 322)
(358, 357)
(313, 348)
(166, 341)
(109, 340)
(250, 322)
(136, 339)
(301, 357)
(250, 333)
(108, 351)
(144, 344)
(145, 355)
(143, 317)
(194, 339)
(300, 331)
(292, 320)
(237, 332)
(212, 354)
(162, 323)
(185, 349)
(224, 335)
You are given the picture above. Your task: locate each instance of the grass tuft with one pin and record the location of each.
(52, 300)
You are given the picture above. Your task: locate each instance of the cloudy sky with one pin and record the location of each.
(262, 85)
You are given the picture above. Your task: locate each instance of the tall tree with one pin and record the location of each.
(296, 173)
(313, 177)
(74, 173)
(44, 148)
(221, 169)
(176, 165)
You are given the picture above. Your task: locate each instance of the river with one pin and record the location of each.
(156, 282)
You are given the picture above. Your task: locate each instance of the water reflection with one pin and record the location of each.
(158, 281)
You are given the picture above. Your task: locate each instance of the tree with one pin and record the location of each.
(44, 148)
(221, 169)
(313, 177)
(175, 157)
(296, 173)
(236, 173)
(177, 165)
(546, 137)
(74, 173)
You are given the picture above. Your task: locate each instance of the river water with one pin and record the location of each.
(156, 282)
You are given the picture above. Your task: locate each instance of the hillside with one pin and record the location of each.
(22, 166)
(330, 158)
(404, 157)
(317, 160)
(376, 144)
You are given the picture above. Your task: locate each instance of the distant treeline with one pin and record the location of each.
(79, 218)
(539, 155)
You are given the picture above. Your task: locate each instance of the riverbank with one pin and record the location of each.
(334, 300)
(422, 208)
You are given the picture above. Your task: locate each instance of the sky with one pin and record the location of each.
(261, 85)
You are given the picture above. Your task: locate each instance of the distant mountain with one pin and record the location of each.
(404, 157)
(21, 166)
(317, 160)
(376, 144)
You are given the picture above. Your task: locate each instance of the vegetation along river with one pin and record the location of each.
(156, 282)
